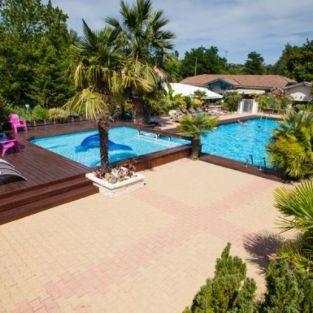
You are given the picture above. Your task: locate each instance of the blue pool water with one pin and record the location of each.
(237, 142)
(125, 142)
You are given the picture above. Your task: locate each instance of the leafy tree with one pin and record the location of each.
(296, 62)
(144, 38)
(202, 61)
(172, 67)
(34, 59)
(291, 147)
(228, 291)
(254, 64)
(235, 68)
(194, 126)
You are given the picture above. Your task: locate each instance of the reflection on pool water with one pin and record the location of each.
(241, 141)
(124, 143)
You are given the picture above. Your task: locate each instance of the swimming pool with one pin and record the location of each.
(244, 142)
(124, 143)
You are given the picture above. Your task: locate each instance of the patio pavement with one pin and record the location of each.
(148, 251)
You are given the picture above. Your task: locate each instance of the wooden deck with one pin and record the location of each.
(40, 166)
(51, 178)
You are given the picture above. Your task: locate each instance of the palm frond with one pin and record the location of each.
(296, 206)
(89, 104)
(196, 125)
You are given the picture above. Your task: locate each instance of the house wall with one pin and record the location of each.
(300, 93)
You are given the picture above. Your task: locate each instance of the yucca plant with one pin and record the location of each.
(291, 147)
(194, 126)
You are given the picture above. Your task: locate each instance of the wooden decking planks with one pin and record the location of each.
(42, 167)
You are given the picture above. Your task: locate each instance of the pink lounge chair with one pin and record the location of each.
(17, 123)
(6, 145)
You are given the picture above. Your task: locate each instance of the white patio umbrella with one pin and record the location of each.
(188, 90)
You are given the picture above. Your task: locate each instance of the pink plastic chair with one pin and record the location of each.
(17, 123)
(6, 145)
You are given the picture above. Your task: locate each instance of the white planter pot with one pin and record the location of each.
(113, 190)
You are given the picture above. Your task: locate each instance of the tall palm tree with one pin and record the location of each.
(142, 32)
(194, 126)
(101, 73)
(291, 147)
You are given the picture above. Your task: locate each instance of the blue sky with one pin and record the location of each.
(236, 27)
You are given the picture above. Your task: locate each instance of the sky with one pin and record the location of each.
(236, 27)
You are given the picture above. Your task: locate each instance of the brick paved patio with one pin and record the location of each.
(148, 251)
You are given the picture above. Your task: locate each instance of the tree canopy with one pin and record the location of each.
(34, 43)
(202, 61)
(254, 64)
(296, 62)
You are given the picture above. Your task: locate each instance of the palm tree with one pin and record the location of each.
(142, 32)
(291, 147)
(101, 73)
(296, 205)
(194, 126)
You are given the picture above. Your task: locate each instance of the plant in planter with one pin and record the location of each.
(58, 114)
(194, 126)
(117, 174)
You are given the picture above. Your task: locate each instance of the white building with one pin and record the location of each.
(301, 92)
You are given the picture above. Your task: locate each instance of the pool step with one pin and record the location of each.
(33, 201)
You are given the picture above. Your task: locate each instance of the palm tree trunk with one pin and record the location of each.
(138, 112)
(196, 148)
(103, 127)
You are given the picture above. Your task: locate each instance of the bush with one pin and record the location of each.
(231, 101)
(39, 113)
(291, 148)
(273, 102)
(229, 290)
(288, 290)
(58, 113)
(197, 103)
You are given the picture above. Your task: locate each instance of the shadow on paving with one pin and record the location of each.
(262, 247)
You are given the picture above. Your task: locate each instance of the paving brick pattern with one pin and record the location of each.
(148, 251)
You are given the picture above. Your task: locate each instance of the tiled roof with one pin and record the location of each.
(241, 81)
